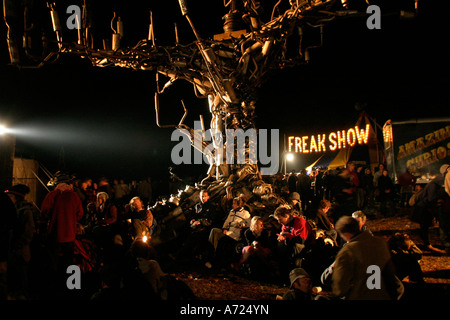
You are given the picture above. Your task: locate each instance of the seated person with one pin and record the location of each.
(142, 222)
(295, 233)
(296, 203)
(322, 220)
(406, 256)
(225, 240)
(256, 251)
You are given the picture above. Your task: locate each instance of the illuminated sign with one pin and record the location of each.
(333, 141)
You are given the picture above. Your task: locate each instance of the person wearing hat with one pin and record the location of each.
(295, 201)
(63, 208)
(22, 235)
(301, 286)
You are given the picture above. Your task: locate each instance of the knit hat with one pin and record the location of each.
(18, 190)
(444, 168)
(294, 196)
(297, 273)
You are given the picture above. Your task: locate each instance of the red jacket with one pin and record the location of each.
(64, 209)
(297, 230)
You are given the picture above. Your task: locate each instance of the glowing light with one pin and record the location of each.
(144, 239)
(289, 157)
(336, 140)
(3, 129)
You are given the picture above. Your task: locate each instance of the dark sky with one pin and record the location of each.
(102, 120)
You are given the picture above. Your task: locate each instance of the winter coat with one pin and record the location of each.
(298, 230)
(64, 209)
(351, 270)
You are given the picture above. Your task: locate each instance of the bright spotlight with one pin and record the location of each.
(3, 129)
(289, 157)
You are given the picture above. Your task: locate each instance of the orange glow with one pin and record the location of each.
(336, 140)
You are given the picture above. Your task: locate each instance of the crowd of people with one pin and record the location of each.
(316, 236)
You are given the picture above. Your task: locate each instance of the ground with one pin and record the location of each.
(436, 268)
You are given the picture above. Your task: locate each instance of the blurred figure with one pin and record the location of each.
(387, 193)
(7, 221)
(407, 182)
(63, 208)
(22, 235)
(427, 206)
(406, 256)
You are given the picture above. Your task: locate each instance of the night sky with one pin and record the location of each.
(101, 121)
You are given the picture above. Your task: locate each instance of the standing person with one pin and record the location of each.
(343, 194)
(426, 208)
(292, 181)
(121, 192)
(304, 188)
(354, 262)
(23, 233)
(444, 210)
(407, 182)
(368, 187)
(63, 208)
(8, 219)
(378, 174)
(387, 192)
(360, 189)
(354, 179)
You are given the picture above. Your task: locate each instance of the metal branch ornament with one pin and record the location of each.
(227, 70)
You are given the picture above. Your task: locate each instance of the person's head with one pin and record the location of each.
(136, 204)
(351, 166)
(102, 197)
(204, 196)
(283, 214)
(300, 280)
(347, 227)
(256, 224)
(17, 192)
(324, 205)
(242, 199)
(385, 172)
(360, 217)
(295, 197)
(236, 203)
(367, 171)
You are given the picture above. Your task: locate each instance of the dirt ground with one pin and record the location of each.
(436, 268)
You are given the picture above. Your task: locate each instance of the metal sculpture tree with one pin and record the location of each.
(227, 70)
